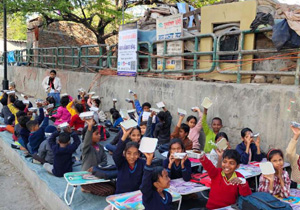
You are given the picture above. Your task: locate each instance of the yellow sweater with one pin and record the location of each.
(14, 111)
(293, 158)
(70, 109)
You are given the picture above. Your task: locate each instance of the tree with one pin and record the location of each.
(95, 15)
(16, 29)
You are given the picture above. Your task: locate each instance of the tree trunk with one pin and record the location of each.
(100, 40)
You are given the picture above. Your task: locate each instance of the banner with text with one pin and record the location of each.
(170, 27)
(127, 53)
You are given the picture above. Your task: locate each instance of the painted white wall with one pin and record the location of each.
(12, 45)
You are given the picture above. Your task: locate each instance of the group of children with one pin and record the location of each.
(40, 134)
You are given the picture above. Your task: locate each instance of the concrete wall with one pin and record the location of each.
(264, 108)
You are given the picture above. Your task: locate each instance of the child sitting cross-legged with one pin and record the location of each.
(62, 152)
(76, 122)
(62, 115)
(155, 181)
(45, 154)
(37, 134)
(226, 183)
(94, 157)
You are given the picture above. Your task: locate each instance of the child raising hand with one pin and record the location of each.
(129, 165)
(155, 181)
(293, 157)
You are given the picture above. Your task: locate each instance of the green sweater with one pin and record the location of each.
(209, 136)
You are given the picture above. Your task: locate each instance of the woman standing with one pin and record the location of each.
(52, 86)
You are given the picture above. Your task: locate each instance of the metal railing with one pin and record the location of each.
(68, 57)
(99, 57)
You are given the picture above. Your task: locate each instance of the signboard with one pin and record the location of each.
(127, 53)
(170, 27)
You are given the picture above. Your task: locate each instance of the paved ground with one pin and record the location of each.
(15, 192)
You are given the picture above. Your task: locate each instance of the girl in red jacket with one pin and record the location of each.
(76, 122)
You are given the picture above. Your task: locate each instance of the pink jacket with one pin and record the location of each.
(195, 133)
(62, 115)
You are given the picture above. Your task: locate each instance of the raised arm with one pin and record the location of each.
(87, 142)
(149, 125)
(11, 107)
(118, 154)
(52, 139)
(257, 155)
(204, 122)
(76, 142)
(146, 186)
(41, 116)
(89, 101)
(198, 126)
(291, 148)
(209, 167)
(45, 123)
(137, 104)
(169, 117)
(70, 109)
(175, 133)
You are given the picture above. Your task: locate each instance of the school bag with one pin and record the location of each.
(201, 178)
(262, 201)
(105, 172)
(103, 132)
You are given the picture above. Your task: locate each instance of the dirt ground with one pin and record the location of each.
(15, 192)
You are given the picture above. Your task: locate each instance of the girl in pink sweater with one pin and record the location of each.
(62, 115)
(195, 128)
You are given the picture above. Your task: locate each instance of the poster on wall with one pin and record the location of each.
(127, 53)
(170, 27)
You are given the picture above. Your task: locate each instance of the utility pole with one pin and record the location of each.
(5, 81)
(123, 4)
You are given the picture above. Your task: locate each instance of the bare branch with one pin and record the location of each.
(82, 10)
(114, 32)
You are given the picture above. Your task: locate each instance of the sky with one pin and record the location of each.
(290, 1)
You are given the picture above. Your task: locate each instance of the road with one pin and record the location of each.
(14, 189)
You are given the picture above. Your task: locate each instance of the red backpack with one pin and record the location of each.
(201, 178)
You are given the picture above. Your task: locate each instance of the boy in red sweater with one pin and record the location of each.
(226, 183)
